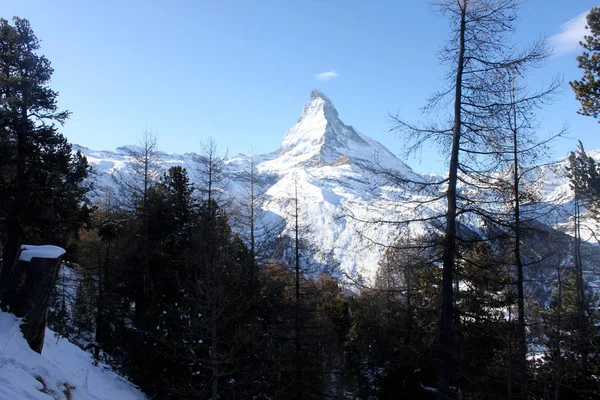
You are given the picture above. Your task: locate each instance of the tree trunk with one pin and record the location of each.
(509, 380)
(557, 350)
(11, 248)
(213, 352)
(580, 292)
(252, 222)
(297, 319)
(521, 332)
(445, 348)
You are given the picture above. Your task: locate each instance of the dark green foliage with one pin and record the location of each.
(584, 175)
(324, 325)
(72, 310)
(392, 344)
(83, 305)
(42, 194)
(199, 326)
(210, 310)
(587, 90)
(562, 339)
(486, 340)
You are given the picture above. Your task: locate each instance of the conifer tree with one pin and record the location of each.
(584, 175)
(562, 366)
(134, 186)
(587, 89)
(392, 339)
(520, 151)
(251, 220)
(481, 60)
(42, 194)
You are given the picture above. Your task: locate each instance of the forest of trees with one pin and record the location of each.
(173, 283)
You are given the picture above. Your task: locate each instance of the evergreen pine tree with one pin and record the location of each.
(587, 89)
(561, 368)
(42, 194)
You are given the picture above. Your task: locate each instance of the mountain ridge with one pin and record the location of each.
(335, 171)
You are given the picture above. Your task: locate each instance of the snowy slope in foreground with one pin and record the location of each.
(63, 367)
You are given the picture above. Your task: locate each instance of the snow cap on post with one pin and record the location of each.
(28, 252)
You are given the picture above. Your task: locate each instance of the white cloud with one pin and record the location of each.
(327, 75)
(571, 33)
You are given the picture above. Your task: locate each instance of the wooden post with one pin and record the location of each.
(31, 283)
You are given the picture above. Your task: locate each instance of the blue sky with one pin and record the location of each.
(240, 71)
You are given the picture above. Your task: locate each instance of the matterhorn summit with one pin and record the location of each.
(320, 137)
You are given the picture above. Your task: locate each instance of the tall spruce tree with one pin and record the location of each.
(42, 194)
(584, 175)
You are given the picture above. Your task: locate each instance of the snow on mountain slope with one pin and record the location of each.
(105, 164)
(330, 163)
(340, 195)
(320, 137)
(62, 371)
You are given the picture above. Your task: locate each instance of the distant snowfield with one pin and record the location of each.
(62, 371)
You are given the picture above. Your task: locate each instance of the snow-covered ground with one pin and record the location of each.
(62, 371)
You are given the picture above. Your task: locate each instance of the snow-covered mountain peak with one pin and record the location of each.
(319, 106)
(320, 137)
(309, 134)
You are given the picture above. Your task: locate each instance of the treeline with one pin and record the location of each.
(209, 330)
(166, 289)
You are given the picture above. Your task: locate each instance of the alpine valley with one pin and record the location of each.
(352, 204)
